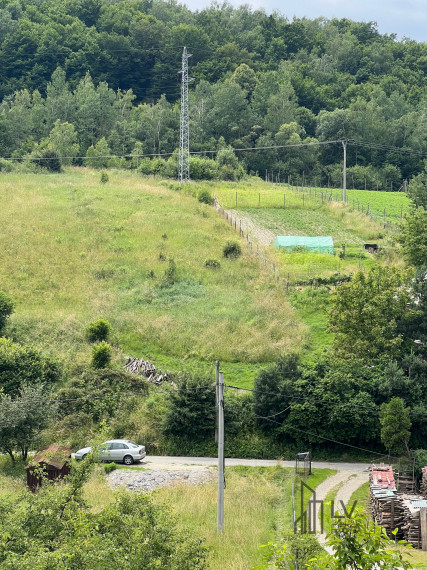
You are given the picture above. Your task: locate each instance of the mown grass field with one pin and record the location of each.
(258, 194)
(72, 250)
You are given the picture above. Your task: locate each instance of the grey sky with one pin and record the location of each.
(402, 17)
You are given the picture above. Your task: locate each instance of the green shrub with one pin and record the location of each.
(212, 263)
(203, 168)
(205, 197)
(6, 165)
(232, 249)
(49, 160)
(101, 355)
(104, 177)
(24, 364)
(171, 274)
(6, 308)
(98, 330)
(98, 156)
(108, 467)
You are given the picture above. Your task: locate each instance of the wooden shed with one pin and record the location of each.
(55, 462)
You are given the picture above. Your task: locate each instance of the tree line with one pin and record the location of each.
(78, 74)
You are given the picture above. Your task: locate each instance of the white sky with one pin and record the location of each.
(402, 17)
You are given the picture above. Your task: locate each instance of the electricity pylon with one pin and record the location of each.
(184, 126)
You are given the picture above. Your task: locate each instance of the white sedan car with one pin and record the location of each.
(121, 450)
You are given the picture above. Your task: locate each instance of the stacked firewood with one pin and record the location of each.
(387, 510)
(412, 524)
(146, 368)
(423, 485)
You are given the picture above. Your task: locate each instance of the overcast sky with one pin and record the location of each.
(402, 17)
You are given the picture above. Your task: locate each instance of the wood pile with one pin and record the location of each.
(412, 524)
(394, 509)
(423, 485)
(148, 370)
(387, 510)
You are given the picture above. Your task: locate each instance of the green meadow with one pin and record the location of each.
(73, 249)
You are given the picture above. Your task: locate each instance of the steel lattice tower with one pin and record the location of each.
(184, 127)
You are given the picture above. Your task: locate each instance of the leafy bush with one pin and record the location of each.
(24, 363)
(110, 467)
(98, 330)
(101, 355)
(94, 394)
(133, 531)
(205, 197)
(203, 168)
(6, 308)
(49, 160)
(212, 263)
(5, 165)
(98, 156)
(232, 249)
(191, 409)
(104, 177)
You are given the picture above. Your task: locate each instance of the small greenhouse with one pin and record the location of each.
(323, 244)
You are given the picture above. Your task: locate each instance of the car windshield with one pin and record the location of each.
(131, 444)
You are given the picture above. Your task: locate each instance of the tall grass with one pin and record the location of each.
(251, 501)
(72, 250)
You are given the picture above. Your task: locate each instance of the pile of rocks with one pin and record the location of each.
(135, 480)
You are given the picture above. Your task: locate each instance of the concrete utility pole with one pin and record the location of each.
(216, 398)
(184, 127)
(344, 172)
(221, 480)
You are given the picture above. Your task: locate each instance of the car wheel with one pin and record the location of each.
(128, 460)
(84, 456)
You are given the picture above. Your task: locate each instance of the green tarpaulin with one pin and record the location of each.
(324, 244)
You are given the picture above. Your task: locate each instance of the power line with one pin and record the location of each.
(310, 399)
(380, 146)
(162, 154)
(202, 152)
(329, 439)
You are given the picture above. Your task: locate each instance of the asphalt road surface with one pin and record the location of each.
(167, 462)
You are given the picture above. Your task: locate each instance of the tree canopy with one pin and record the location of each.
(109, 71)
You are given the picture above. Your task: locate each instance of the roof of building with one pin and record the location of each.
(383, 476)
(55, 455)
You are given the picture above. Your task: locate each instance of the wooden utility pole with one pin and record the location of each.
(344, 171)
(220, 392)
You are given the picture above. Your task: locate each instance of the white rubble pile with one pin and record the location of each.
(149, 480)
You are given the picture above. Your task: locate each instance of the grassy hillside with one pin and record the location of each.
(73, 249)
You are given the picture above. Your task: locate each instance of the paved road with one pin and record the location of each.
(164, 462)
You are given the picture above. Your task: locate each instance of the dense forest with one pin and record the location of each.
(104, 75)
